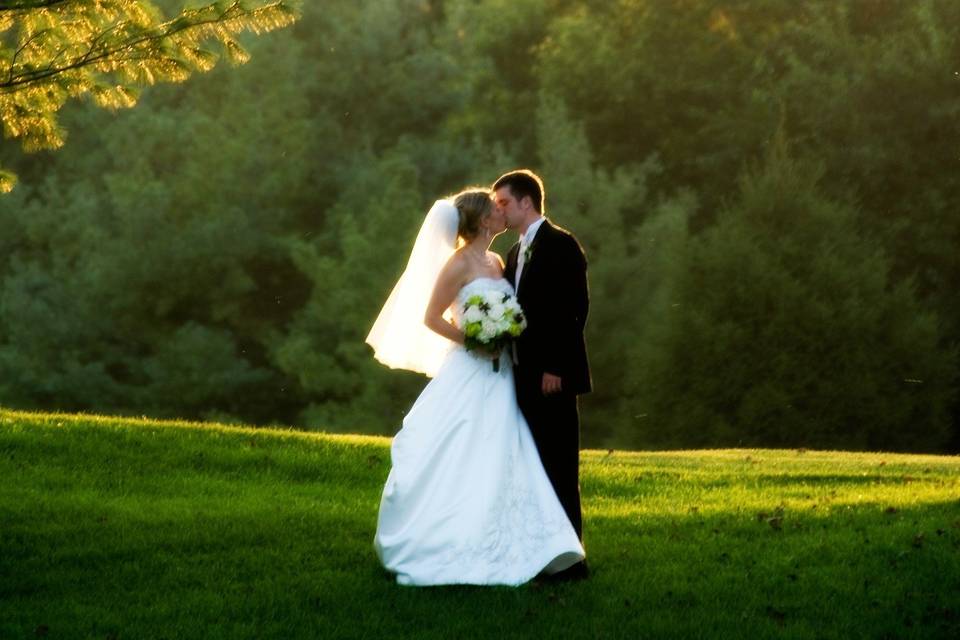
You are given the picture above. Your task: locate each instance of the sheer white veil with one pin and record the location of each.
(399, 338)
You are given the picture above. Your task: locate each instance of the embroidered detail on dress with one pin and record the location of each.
(517, 527)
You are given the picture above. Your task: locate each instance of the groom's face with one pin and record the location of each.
(512, 210)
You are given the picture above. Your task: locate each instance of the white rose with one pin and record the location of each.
(496, 311)
(488, 330)
(493, 297)
(472, 314)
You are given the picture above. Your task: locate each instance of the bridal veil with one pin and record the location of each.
(399, 337)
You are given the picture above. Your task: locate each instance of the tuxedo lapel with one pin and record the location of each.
(544, 230)
(511, 268)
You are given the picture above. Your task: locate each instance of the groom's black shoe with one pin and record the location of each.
(579, 571)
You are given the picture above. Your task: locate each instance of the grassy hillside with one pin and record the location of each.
(115, 528)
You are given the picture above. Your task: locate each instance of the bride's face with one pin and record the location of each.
(496, 222)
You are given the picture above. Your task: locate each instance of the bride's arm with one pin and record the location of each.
(448, 284)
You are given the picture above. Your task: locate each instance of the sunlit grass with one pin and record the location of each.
(144, 529)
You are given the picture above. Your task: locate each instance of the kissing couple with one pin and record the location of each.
(484, 484)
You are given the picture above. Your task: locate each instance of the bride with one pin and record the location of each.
(467, 500)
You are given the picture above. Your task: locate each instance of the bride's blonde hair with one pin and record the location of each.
(473, 205)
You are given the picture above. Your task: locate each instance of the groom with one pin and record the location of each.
(549, 272)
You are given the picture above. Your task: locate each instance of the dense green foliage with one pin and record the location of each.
(767, 198)
(143, 529)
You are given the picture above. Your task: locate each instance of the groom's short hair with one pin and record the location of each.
(523, 182)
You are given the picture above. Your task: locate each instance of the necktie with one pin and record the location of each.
(520, 260)
(516, 287)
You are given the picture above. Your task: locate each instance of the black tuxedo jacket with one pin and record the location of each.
(554, 296)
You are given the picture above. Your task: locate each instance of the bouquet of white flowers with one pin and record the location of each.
(492, 319)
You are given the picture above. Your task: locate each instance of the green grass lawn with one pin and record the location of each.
(117, 528)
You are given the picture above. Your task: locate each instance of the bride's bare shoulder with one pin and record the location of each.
(456, 270)
(457, 261)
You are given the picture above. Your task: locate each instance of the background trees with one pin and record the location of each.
(767, 199)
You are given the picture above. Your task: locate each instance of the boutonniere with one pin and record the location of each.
(528, 254)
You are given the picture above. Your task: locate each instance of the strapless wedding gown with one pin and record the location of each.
(467, 500)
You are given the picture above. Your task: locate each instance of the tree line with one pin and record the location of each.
(767, 198)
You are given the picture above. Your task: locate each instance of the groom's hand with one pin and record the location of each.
(551, 384)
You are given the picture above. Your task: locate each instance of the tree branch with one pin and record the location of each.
(21, 5)
(17, 82)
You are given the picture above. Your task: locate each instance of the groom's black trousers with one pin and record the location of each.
(555, 424)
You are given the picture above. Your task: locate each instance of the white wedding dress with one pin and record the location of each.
(467, 500)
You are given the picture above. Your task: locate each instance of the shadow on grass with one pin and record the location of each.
(646, 483)
(840, 479)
